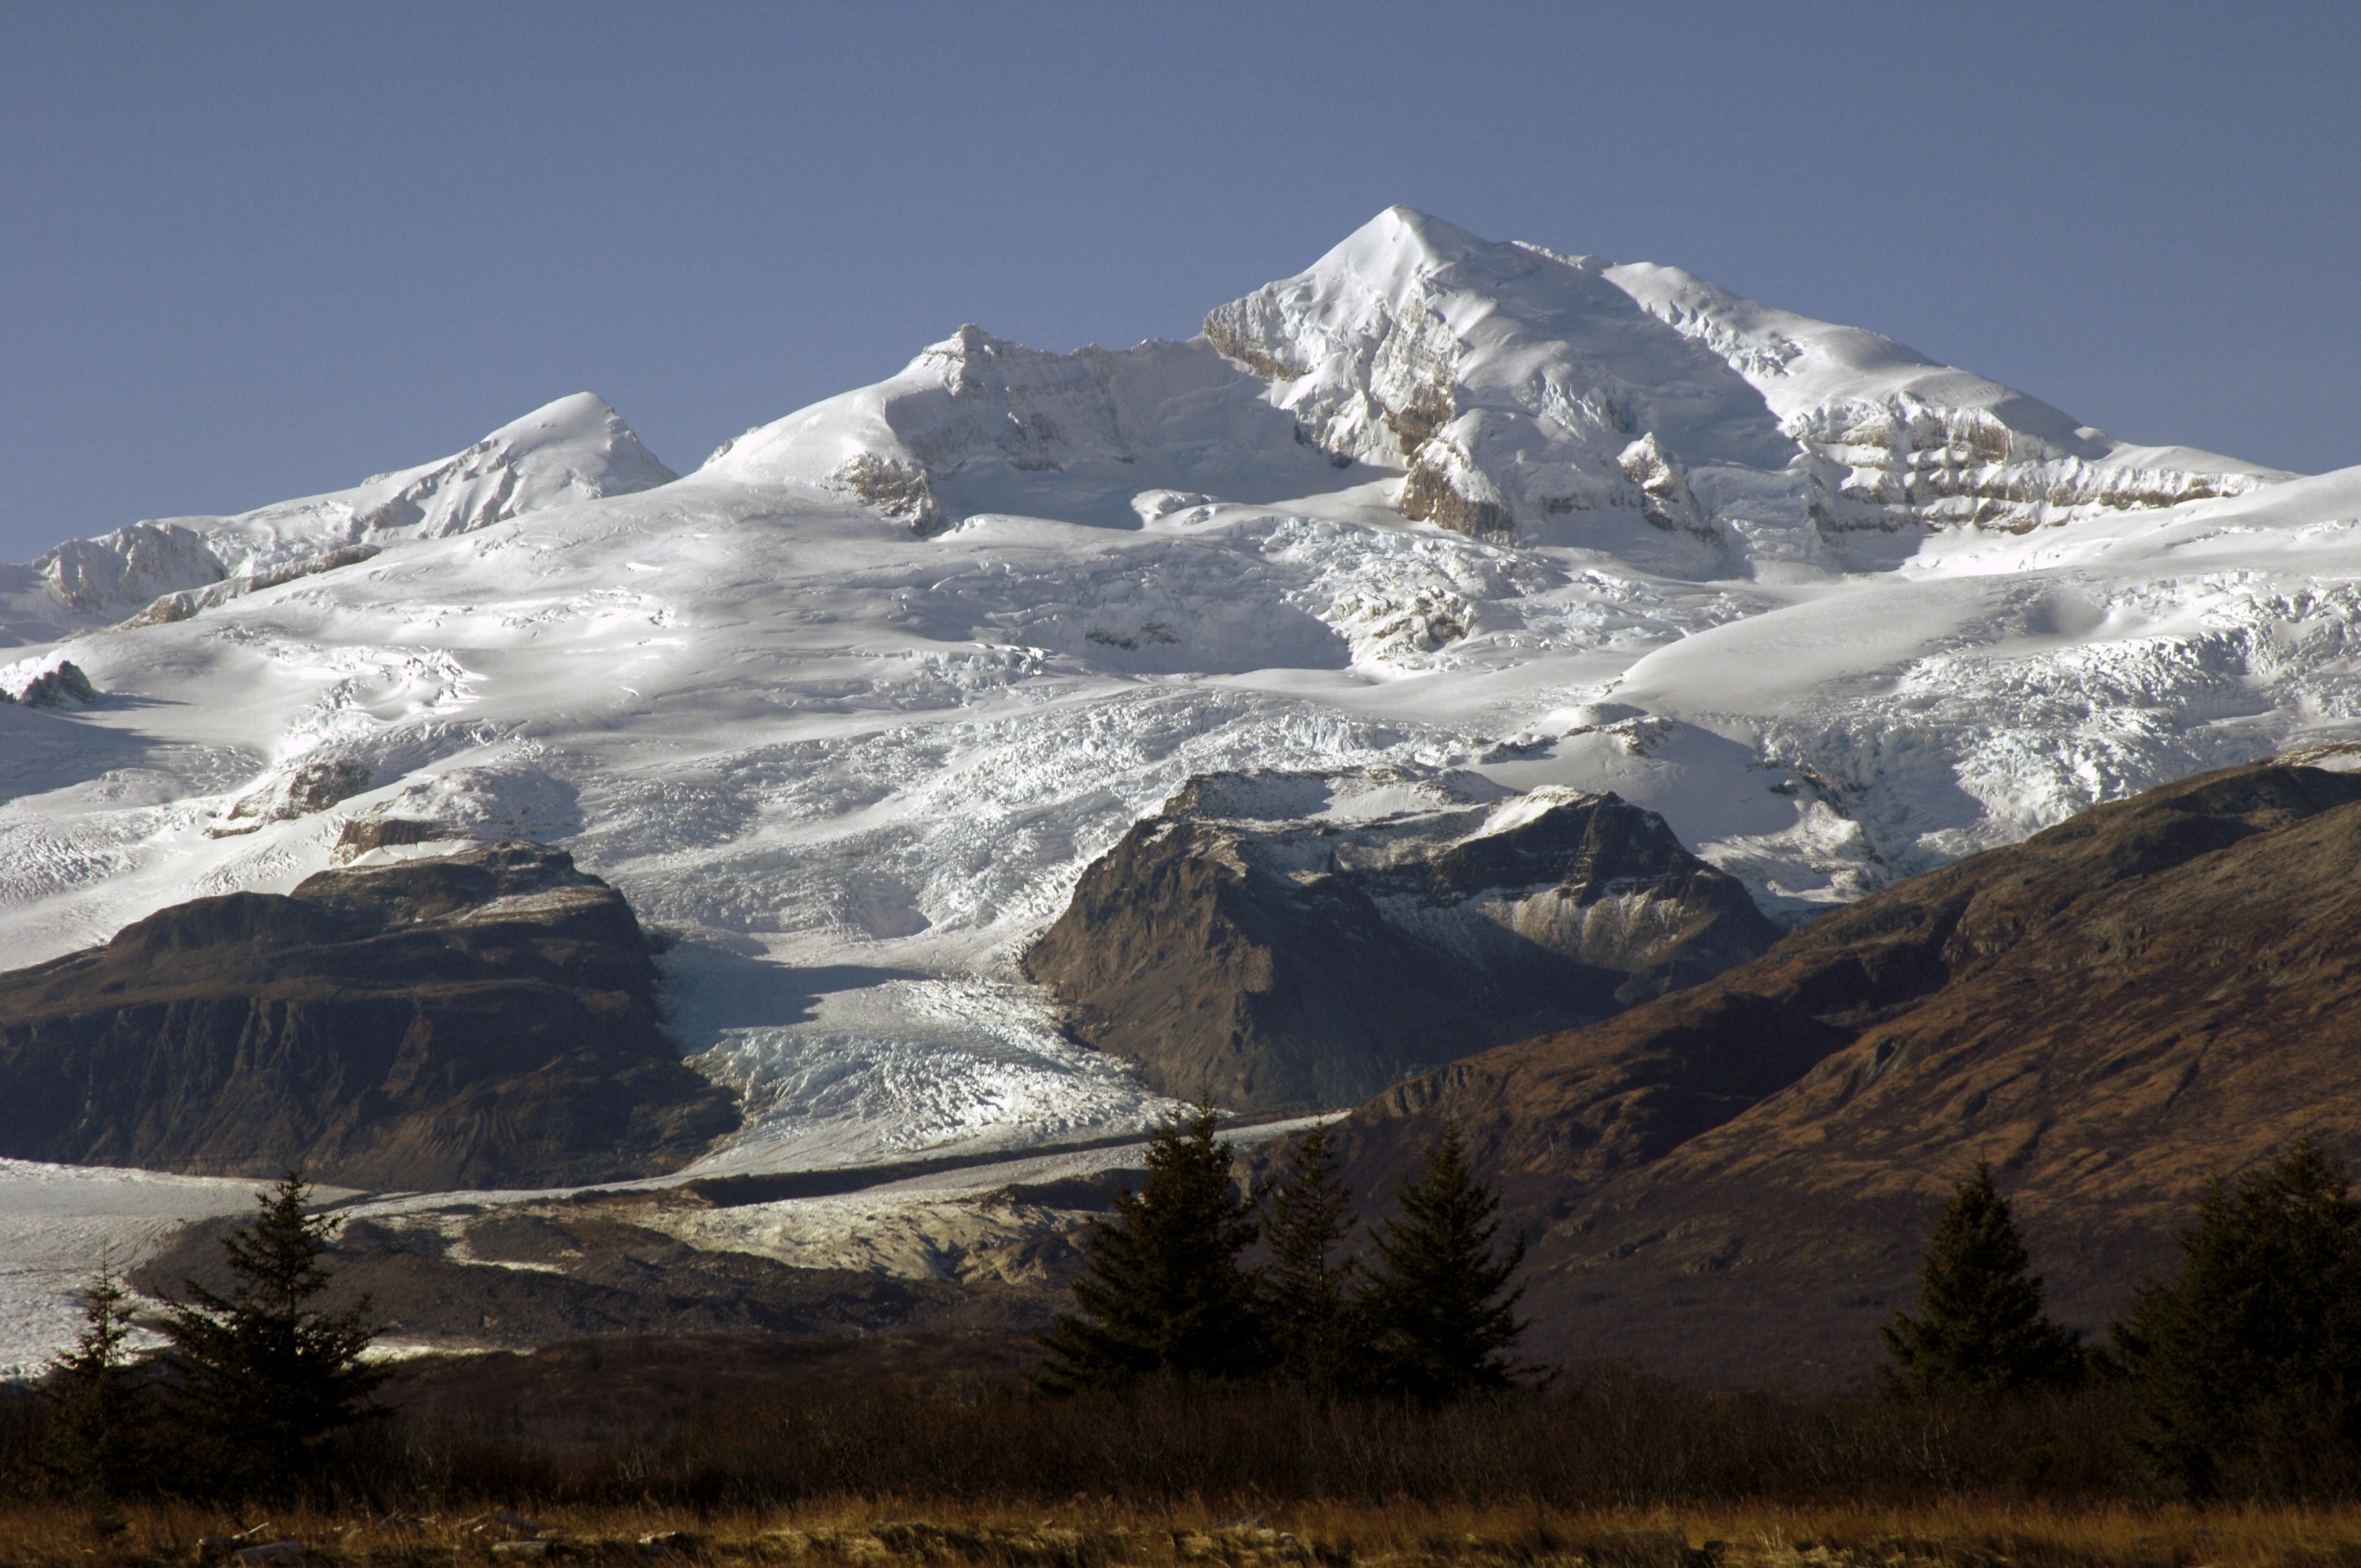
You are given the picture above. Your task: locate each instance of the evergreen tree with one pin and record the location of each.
(1162, 1291)
(2248, 1365)
(1980, 1328)
(1437, 1329)
(97, 1441)
(1307, 1292)
(261, 1377)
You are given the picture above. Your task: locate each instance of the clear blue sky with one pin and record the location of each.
(254, 250)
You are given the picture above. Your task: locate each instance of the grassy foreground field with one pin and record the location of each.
(880, 1532)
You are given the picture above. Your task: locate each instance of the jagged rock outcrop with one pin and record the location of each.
(36, 684)
(484, 1019)
(1290, 940)
(303, 789)
(1735, 1181)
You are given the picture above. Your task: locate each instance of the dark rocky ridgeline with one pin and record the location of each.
(479, 1020)
(1296, 940)
(1735, 1181)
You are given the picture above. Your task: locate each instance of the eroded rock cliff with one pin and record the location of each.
(483, 1019)
(1287, 940)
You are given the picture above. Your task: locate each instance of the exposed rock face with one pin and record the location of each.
(304, 790)
(1735, 1181)
(166, 609)
(487, 1019)
(118, 571)
(1287, 940)
(52, 686)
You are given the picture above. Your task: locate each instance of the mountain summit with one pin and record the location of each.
(1523, 396)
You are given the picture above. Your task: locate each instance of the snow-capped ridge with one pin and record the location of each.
(576, 448)
(1514, 383)
(1522, 393)
(978, 424)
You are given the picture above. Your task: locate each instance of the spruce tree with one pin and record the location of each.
(2248, 1364)
(1440, 1326)
(1162, 1291)
(97, 1443)
(262, 1377)
(1308, 1308)
(1980, 1328)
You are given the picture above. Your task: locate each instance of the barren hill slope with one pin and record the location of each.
(1734, 1181)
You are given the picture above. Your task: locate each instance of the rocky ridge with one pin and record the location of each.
(1294, 941)
(487, 1018)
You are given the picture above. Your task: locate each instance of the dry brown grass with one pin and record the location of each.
(1081, 1533)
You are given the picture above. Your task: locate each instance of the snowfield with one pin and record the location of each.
(848, 709)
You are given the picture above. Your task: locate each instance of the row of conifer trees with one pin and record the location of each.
(2243, 1372)
(2245, 1367)
(1167, 1291)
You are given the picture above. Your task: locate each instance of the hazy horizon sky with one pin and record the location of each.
(262, 250)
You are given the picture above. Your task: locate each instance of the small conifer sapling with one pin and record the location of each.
(97, 1441)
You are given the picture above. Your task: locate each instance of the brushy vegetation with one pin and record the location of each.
(874, 1532)
(1607, 1439)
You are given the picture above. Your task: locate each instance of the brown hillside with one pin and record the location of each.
(1733, 1181)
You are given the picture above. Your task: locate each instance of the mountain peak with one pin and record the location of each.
(583, 433)
(1399, 242)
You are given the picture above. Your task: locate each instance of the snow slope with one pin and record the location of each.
(848, 709)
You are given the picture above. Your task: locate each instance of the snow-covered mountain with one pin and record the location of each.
(1527, 393)
(850, 708)
(574, 449)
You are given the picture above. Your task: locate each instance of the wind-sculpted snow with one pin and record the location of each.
(850, 710)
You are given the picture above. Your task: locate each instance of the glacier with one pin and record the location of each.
(847, 709)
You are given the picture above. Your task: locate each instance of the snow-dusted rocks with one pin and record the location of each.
(49, 682)
(1300, 940)
(977, 424)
